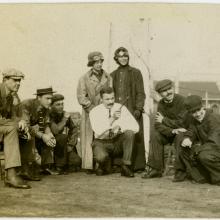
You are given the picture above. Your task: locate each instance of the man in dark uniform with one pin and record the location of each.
(200, 148)
(9, 126)
(65, 132)
(128, 83)
(36, 114)
(168, 123)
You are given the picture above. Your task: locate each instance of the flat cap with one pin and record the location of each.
(193, 103)
(12, 73)
(163, 85)
(44, 91)
(57, 97)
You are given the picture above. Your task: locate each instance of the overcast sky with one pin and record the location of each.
(50, 42)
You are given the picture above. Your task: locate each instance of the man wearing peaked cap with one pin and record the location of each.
(66, 133)
(128, 82)
(36, 113)
(163, 85)
(200, 148)
(169, 123)
(9, 87)
(88, 95)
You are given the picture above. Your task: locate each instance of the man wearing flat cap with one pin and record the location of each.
(169, 122)
(36, 113)
(129, 89)
(11, 126)
(88, 94)
(200, 148)
(65, 132)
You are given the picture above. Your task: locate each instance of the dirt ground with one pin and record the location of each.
(83, 195)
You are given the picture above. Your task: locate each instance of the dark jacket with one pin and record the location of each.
(174, 115)
(134, 88)
(207, 132)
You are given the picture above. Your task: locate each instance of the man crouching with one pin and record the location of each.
(114, 129)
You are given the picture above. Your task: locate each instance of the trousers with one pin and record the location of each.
(121, 145)
(9, 130)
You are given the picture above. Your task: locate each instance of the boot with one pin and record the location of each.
(126, 171)
(12, 180)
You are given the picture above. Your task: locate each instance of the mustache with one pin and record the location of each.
(111, 104)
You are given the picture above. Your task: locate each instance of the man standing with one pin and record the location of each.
(65, 132)
(200, 148)
(114, 129)
(128, 82)
(168, 123)
(36, 114)
(9, 127)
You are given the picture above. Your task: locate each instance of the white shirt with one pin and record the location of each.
(99, 118)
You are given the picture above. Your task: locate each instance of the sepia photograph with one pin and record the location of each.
(109, 109)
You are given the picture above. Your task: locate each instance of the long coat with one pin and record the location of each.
(134, 85)
(88, 97)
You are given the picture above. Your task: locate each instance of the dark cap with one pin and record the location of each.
(163, 85)
(193, 103)
(44, 91)
(121, 51)
(57, 97)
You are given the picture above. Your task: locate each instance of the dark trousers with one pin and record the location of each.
(61, 156)
(156, 150)
(121, 145)
(188, 163)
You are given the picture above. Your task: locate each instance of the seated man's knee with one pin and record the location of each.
(204, 156)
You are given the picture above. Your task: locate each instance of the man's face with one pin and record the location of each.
(98, 65)
(108, 100)
(13, 85)
(168, 94)
(122, 59)
(45, 100)
(58, 106)
(199, 114)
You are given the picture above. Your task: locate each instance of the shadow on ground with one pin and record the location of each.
(82, 195)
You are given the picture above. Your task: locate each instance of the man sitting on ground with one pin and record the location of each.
(114, 130)
(65, 132)
(200, 148)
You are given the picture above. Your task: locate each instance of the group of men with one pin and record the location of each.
(195, 133)
(111, 133)
(35, 128)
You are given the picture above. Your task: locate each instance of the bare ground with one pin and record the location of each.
(82, 195)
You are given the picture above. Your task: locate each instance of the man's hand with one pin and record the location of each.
(49, 140)
(186, 143)
(137, 114)
(66, 115)
(178, 130)
(22, 125)
(116, 129)
(159, 117)
(117, 114)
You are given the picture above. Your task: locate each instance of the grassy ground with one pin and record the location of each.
(82, 195)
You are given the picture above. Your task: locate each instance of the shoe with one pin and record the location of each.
(99, 172)
(201, 181)
(152, 173)
(48, 171)
(26, 176)
(125, 171)
(179, 176)
(61, 171)
(16, 182)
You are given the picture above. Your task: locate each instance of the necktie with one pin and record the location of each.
(110, 130)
